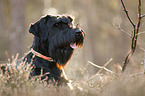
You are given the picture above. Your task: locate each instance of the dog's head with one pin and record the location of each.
(59, 35)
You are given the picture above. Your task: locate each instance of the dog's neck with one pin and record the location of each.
(40, 46)
(41, 55)
(61, 56)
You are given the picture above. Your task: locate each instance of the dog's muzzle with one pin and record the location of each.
(78, 34)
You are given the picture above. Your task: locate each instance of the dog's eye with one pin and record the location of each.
(61, 25)
(57, 25)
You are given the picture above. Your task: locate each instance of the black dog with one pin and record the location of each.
(55, 39)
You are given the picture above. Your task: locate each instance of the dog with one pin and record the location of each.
(55, 38)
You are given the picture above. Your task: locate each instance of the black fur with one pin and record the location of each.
(52, 38)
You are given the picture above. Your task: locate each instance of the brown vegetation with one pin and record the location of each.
(101, 20)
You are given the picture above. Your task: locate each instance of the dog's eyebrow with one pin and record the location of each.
(61, 22)
(65, 20)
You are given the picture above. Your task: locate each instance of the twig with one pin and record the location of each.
(143, 15)
(140, 73)
(127, 59)
(127, 14)
(135, 33)
(144, 64)
(105, 65)
(143, 60)
(69, 83)
(101, 68)
(118, 27)
(140, 33)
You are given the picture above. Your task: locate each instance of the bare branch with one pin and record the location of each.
(143, 60)
(143, 15)
(139, 16)
(69, 83)
(144, 64)
(101, 68)
(118, 27)
(141, 48)
(140, 33)
(136, 74)
(127, 59)
(135, 33)
(105, 65)
(126, 11)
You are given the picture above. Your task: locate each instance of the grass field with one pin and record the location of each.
(16, 82)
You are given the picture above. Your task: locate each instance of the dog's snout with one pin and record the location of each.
(78, 32)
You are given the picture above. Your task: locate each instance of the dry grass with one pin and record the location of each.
(16, 82)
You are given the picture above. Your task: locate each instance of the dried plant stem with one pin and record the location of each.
(105, 65)
(143, 60)
(144, 64)
(118, 27)
(143, 15)
(126, 11)
(141, 33)
(69, 83)
(136, 30)
(101, 68)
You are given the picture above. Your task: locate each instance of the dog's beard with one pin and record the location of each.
(60, 49)
(62, 55)
(61, 46)
(79, 40)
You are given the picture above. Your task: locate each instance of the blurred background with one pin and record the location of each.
(97, 17)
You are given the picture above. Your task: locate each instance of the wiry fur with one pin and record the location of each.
(52, 38)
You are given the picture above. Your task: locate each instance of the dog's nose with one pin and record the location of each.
(78, 31)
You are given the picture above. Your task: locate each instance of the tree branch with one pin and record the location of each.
(126, 12)
(135, 33)
(118, 27)
(143, 15)
(101, 68)
(141, 33)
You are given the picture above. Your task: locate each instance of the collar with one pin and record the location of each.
(46, 58)
(41, 56)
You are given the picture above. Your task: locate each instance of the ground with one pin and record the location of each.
(104, 84)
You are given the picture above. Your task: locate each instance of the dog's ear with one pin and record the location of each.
(46, 18)
(70, 18)
(33, 29)
(40, 28)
